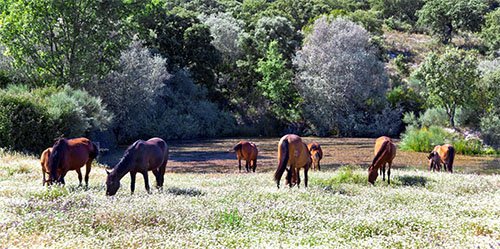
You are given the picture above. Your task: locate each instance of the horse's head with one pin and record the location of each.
(434, 161)
(112, 183)
(372, 174)
(56, 158)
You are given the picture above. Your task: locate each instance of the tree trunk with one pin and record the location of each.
(452, 116)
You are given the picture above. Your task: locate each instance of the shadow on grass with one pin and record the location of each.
(418, 181)
(185, 191)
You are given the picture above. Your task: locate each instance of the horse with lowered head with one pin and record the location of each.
(385, 151)
(294, 153)
(444, 154)
(70, 154)
(140, 157)
(248, 151)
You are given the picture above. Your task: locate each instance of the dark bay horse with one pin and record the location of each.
(444, 154)
(140, 157)
(248, 151)
(71, 154)
(294, 153)
(385, 151)
(316, 154)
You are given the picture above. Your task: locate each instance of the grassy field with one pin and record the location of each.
(207, 203)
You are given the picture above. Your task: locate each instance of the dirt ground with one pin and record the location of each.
(213, 156)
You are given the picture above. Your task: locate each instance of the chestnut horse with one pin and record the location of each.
(442, 154)
(44, 162)
(385, 151)
(140, 157)
(71, 154)
(316, 154)
(293, 152)
(248, 151)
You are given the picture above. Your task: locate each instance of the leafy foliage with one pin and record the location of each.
(342, 82)
(444, 18)
(402, 10)
(491, 31)
(31, 119)
(276, 85)
(67, 42)
(450, 80)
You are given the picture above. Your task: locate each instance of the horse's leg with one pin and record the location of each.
(389, 173)
(156, 172)
(146, 181)
(43, 179)
(319, 168)
(239, 164)
(306, 169)
(88, 166)
(383, 172)
(80, 178)
(132, 181)
(247, 165)
(61, 177)
(161, 172)
(297, 171)
(254, 164)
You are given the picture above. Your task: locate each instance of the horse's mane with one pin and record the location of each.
(56, 157)
(125, 158)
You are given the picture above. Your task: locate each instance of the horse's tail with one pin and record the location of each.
(56, 157)
(94, 152)
(451, 157)
(237, 147)
(283, 160)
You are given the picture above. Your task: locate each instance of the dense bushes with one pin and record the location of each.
(149, 101)
(424, 139)
(31, 119)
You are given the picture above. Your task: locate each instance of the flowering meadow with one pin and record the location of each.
(246, 210)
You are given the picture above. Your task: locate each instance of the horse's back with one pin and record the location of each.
(79, 151)
(158, 150)
(248, 150)
(390, 147)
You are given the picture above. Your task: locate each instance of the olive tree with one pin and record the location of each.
(342, 81)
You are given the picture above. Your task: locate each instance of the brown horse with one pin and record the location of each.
(442, 154)
(385, 151)
(292, 151)
(71, 154)
(44, 162)
(316, 154)
(140, 157)
(248, 151)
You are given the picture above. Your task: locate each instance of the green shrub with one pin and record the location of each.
(468, 147)
(24, 123)
(31, 119)
(434, 117)
(345, 174)
(423, 139)
(490, 129)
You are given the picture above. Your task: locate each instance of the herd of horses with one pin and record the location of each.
(152, 155)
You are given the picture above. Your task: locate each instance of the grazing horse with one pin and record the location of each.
(442, 154)
(44, 162)
(140, 157)
(71, 154)
(248, 151)
(316, 154)
(292, 151)
(385, 151)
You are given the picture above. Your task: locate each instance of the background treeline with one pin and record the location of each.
(118, 70)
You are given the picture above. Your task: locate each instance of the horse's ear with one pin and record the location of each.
(107, 172)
